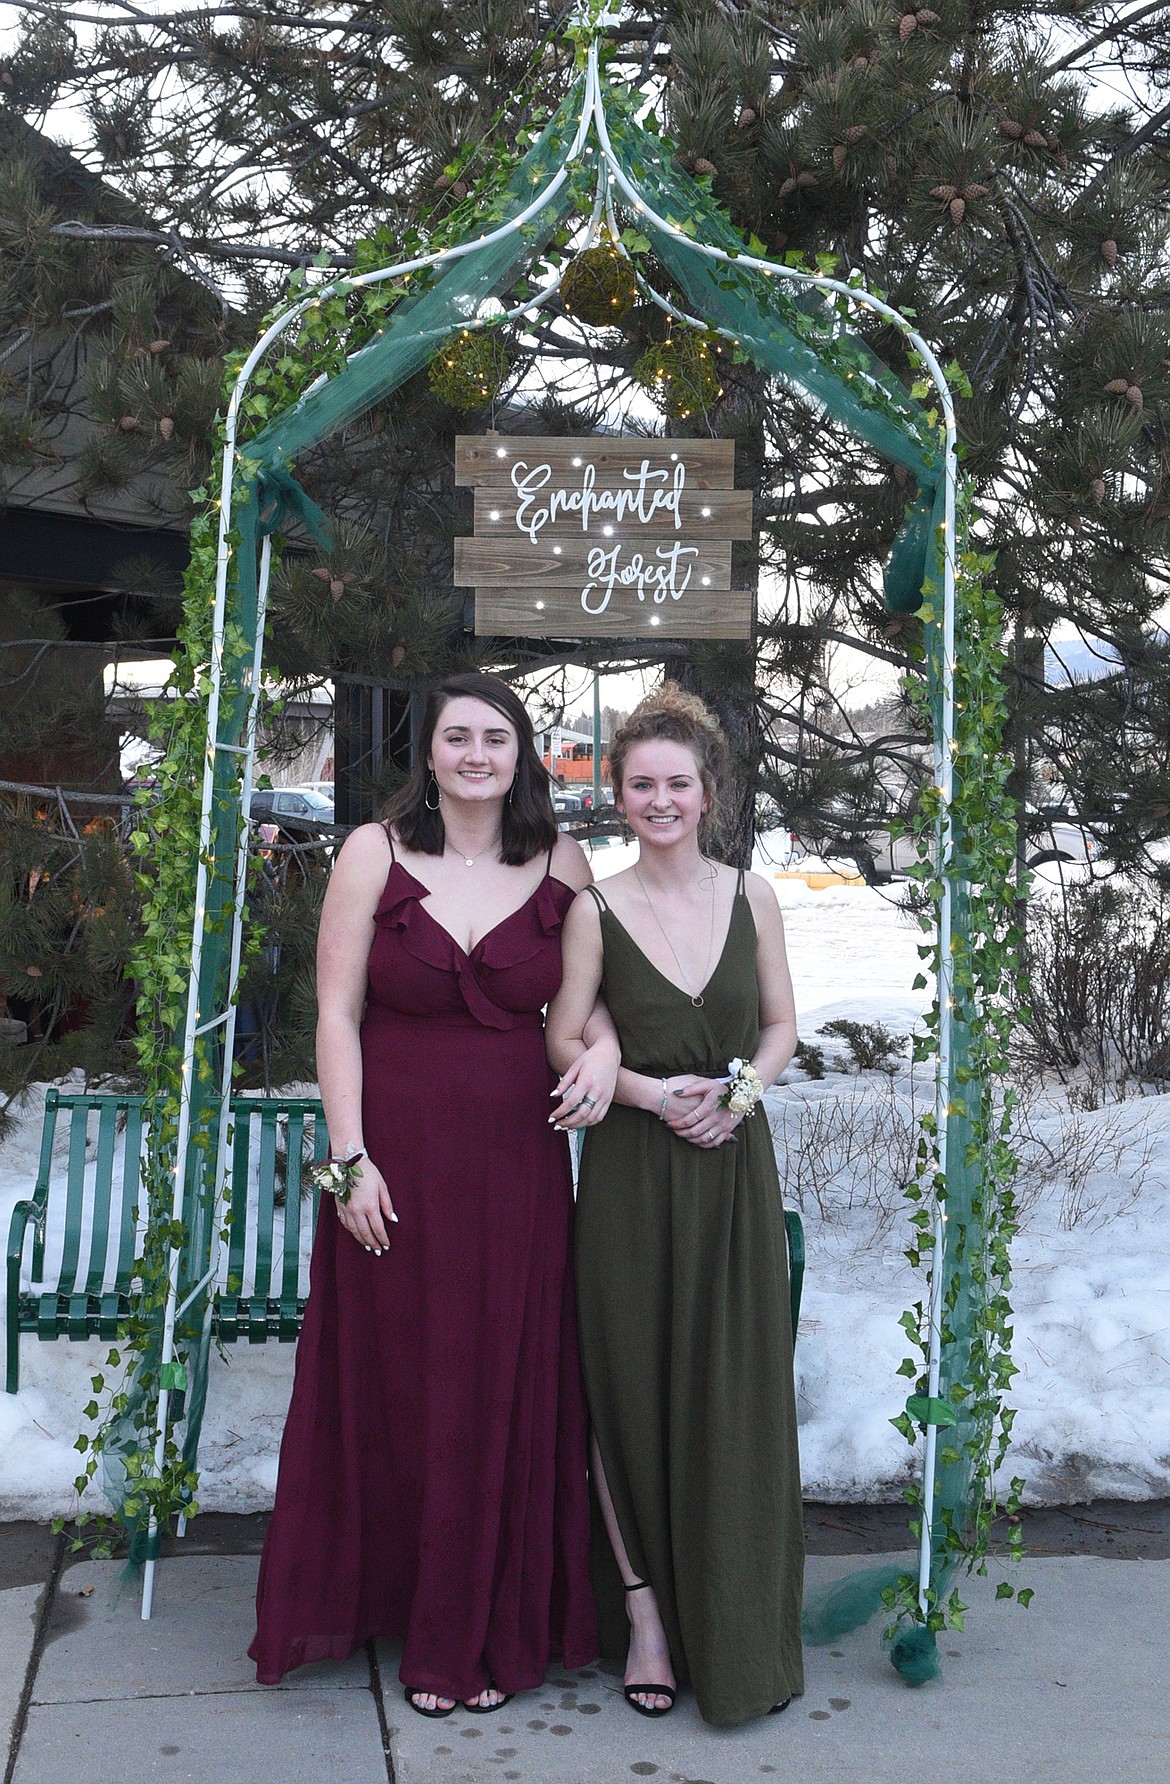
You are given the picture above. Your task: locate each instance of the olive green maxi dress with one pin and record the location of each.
(682, 1270)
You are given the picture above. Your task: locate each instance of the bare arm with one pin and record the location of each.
(343, 950)
(586, 1087)
(575, 1007)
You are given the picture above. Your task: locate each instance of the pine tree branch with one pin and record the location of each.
(77, 230)
(1108, 33)
(1130, 146)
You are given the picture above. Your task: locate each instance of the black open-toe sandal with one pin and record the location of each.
(435, 1715)
(631, 1691)
(488, 1709)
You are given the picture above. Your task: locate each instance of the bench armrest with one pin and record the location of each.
(18, 1227)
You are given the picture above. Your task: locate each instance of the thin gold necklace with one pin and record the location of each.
(696, 997)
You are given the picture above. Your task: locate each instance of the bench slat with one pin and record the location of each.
(131, 1187)
(265, 1187)
(103, 1180)
(74, 1197)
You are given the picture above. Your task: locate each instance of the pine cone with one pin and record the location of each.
(971, 190)
(128, 424)
(398, 656)
(861, 63)
(804, 180)
(746, 117)
(1011, 128)
(855, 132)
(907, 25)
(1117, 387)
(958, 209)
(443, 181)
(1098, 490)
(459, 189)
(1134, 395)
(166, 427)
(944, 193)
(1109, 251)
(702, 165)
(786, 189)
(839, 153)
(925, 16)
(158, 346)
(1035, 139)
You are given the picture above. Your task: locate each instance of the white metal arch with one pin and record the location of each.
(591, 121)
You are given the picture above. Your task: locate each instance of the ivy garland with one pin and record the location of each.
(986, 968)
(165, 840)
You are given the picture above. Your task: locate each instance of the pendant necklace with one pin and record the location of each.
(470, 860)
(696, 997)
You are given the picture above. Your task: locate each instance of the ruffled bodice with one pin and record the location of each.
(418, 969)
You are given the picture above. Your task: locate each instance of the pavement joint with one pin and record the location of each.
(40, 1636)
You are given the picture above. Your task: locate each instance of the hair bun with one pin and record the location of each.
(676, 703)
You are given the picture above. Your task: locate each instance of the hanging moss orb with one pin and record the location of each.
(681, 374)
(599, 286)
(468, 370)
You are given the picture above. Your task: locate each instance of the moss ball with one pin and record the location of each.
(468, 370)
(682, 373)
(599, 286)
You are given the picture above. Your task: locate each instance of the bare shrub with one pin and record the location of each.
(1097, 1009)
(840, 1154)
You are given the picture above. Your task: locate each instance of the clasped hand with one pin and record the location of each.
(693, 1111)
(585, 1092)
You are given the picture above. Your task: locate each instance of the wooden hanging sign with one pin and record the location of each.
(614, 537)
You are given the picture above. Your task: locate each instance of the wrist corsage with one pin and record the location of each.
(337, 1176)
(744, 1088)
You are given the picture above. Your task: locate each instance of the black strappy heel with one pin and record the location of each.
(631, 1691)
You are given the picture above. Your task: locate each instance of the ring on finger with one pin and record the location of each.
(587, 1099)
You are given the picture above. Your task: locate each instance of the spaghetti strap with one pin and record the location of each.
(739, 887)
(390, 840)
(596, 896)
(548, 863)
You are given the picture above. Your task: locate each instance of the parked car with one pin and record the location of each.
(566, 804)
(279, 804)
(1062, 839)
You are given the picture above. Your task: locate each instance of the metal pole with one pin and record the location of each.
(596, 741)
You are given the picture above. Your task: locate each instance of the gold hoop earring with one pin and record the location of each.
(427, 795)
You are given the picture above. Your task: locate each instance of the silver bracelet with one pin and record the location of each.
(665, 1094)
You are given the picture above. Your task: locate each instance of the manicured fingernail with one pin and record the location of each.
(367, 1248)
(394, 1217)
(377, 1251)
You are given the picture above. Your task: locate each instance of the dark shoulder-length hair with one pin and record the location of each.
(529, 827)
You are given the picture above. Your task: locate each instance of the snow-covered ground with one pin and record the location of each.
(1092, 1267)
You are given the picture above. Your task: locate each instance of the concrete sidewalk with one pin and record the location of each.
(1072, 1689)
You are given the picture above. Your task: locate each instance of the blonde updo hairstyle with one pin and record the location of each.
(670, 714)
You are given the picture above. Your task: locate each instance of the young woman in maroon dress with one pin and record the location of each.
(432, 1480)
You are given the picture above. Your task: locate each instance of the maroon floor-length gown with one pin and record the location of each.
(432, 1480)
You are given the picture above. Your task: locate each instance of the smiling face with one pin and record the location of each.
(474, 751)
(662, 793)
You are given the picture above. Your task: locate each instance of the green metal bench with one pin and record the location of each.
(74, 1281)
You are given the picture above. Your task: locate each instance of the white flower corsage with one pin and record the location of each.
(337, 1176)
(744, 1088)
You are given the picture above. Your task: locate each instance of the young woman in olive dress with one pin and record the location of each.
(682, 1265)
